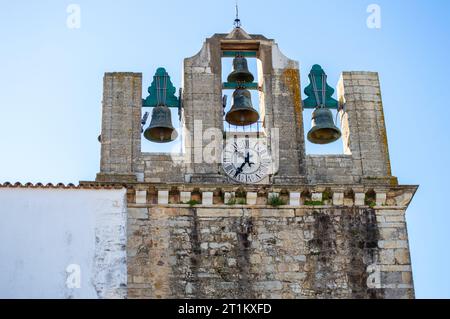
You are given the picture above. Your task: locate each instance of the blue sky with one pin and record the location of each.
(51, 84)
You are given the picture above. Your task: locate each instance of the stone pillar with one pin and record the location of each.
(363, 127)
(121, 128)
(202, 100)
(281, 109)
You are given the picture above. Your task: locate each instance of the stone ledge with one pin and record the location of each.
(394, 197)
(139, 212)
(221, 206)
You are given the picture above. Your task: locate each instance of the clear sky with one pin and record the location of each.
(51, 85)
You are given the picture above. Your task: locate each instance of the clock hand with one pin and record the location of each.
(247, 160)
(238, 153)
(240, 169)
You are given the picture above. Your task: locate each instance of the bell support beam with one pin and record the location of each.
(234, 86)
(169, 106)
(244, 85)
(336, 107)
(245, 54)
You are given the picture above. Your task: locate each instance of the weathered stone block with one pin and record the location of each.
(141, 197)
(380, 199)
(394, 219)
(294, 199)
(389, 234)
(402, 257)
(403, 199)
(348, 201)
(338, 199)
(163, 197)
(387, 257)
(274, 213)
(360, 199)
(407, 278)
(392, 244)
(269, 285)
(401, 268)
(138, 213)
(389, 278)
(251, 198)
(207, 198)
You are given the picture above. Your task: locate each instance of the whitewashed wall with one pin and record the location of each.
(44, 231)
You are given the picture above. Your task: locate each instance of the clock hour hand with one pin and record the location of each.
(247, 160)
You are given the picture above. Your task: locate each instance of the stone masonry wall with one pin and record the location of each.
(160, 167)
(244, 252)
(121, 128)
(362, 123)
(331, 169)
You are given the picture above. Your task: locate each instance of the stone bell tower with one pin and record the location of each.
(279, 97)
(317, 226)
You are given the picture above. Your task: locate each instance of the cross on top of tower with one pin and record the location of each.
(237, 21)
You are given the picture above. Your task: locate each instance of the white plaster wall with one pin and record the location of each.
(43, 231)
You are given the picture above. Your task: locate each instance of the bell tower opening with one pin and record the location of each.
(321, 113)
(161, 116)
(251, 98)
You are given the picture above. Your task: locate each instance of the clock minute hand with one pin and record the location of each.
(240, 169)
(240, 154)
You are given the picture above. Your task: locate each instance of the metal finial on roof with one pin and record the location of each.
(237, 21)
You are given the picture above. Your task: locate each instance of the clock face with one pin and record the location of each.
(246, 160)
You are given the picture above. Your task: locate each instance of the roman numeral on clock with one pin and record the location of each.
(228, 167)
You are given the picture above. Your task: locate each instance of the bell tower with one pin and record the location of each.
(279, 100)
(242, 211)
(201, 111)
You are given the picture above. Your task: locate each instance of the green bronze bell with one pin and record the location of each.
(323, 130)
(242, 112)
(240, 71)
(161, 129)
